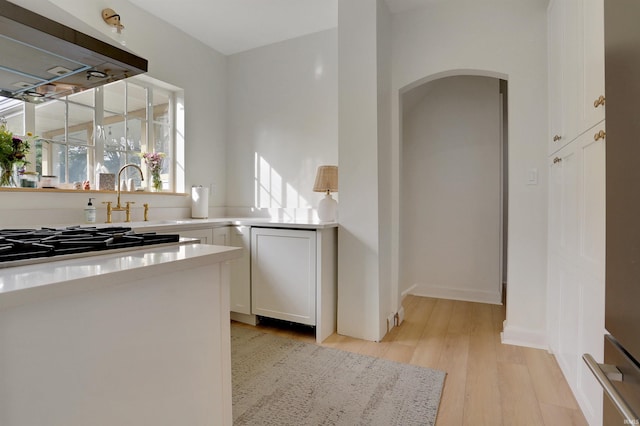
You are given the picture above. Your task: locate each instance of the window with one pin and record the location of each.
(100, 130)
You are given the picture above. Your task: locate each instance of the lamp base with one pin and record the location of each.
(327, 209)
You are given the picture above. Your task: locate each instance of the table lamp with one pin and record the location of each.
(327, 181)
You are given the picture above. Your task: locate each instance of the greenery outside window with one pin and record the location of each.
(100, 130)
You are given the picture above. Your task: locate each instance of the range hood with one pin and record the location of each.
(41, 59)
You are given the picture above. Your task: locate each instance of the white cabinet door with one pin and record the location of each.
(221, 236)
(205, 235)
(556, 43)
(240, 236)
(576, 263)
(592, 78)
(283, 274)
(591, 268)
(576, 68)
(563, 243)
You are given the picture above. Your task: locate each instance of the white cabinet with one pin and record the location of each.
(205, 235)
(592, 46)
(294, 276)
(240, 236)
(576, 68)
(283, 274)
(556, 43)
(576, 262)
(221, 236)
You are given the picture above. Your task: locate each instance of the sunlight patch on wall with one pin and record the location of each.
(273, 193)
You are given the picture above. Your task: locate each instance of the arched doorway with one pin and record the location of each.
(453, 187)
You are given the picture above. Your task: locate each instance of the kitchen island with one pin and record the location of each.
(136, 338)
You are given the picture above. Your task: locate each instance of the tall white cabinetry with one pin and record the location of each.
(576, 69)
(576, 240)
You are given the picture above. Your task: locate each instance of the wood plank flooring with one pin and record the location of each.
(487, 383)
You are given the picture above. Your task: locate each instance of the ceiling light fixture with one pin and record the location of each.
(96, 74)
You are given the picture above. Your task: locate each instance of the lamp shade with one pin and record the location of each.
(326, 179)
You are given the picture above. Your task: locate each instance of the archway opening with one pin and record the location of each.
(453, 187)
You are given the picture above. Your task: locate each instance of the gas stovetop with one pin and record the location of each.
(29, 244)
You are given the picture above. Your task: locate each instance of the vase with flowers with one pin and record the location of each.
(13, 154)
(153, 160)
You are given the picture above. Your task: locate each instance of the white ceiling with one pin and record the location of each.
(232, 26)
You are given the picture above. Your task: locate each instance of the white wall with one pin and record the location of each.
(283, 101)
(450, 207)
(358, 243)
(177, 59)
(504, 39)
(388, 282)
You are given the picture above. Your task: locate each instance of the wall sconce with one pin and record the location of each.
(111, 18)
(327, 182)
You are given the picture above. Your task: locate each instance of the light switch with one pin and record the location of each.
(532, 177)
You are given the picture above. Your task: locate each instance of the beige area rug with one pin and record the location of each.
(280, 381)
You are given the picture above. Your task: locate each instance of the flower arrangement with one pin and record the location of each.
(13, 152)
(153, 160)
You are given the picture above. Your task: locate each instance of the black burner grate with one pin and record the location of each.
(19, 244)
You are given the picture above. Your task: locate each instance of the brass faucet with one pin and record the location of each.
(118, 207)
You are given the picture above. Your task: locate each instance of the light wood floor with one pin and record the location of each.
(487, 383)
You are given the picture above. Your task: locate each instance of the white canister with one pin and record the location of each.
(199, 202)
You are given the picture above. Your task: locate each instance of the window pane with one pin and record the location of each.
(114, 136)
(12, 110)
(85, 97)
(50, 118)
(113, 160)
(160, 107)
(42, 155)
(58, 161)
(136, 100)
(114, 97)
(132, 172)
(78, 160)
(162, 138)
(81, 124)
(134, 134)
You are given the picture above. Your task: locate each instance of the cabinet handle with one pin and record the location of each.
(556, 138)
(600, 135)
(557, 160)
(598, 102)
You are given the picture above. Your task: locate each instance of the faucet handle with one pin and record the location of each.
(108, 203)
(128, 210)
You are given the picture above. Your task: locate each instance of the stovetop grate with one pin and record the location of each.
(20, 244)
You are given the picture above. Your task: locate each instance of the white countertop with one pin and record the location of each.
(225, 221)
(54, 278)
(16, 282)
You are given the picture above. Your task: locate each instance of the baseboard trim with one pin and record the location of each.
(407, 292)
(456, 294)
(523, 337)
(244, 318)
